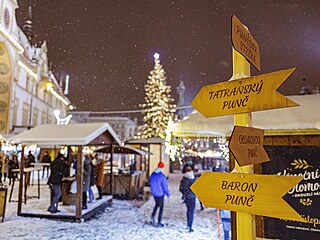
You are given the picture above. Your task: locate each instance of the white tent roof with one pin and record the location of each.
(153, 140)
(304, 117)
(72, 134)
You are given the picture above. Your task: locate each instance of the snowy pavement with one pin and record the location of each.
(123, 220)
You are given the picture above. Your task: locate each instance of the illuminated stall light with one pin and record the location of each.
(49, 87)
(28, 70)
(62, 99)
(61, 121)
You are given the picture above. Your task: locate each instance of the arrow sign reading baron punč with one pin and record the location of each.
(244, 95)
(246, 145)
(248, 193)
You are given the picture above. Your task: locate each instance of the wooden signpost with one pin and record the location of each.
(246, 145)
(248, 193)
(245, 193)
(244, 95)
(244, 43)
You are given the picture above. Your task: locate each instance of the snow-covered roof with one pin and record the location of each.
(123, 150)
(146, 141)
(72, 134)
(304, 118)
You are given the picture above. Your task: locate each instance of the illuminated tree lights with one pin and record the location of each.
(159, 106)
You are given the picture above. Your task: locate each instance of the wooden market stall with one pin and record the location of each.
(156, 146)
(125, 182)
(76, 135)
(292, 141)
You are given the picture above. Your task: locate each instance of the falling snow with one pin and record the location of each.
(118, 40)
(123, 220)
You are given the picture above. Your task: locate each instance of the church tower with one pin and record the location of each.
(181, 89)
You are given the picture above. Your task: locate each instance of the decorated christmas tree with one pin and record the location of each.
(159, 105)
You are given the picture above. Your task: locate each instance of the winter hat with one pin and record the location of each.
(160, 165)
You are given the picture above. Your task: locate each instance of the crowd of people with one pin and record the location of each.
(93, 168)
(159, 189)
(55, 171)
(93, 172)
(9, 164)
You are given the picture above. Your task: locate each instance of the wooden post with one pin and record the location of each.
(111, 169)
(38, 184)
(246, 228)
(79, 179)
(22, 163)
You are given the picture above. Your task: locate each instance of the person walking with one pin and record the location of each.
(188, 196)
(86, 180)
(93, 177)
(6, 168)
(225, 216)
(13, 164)
(46, 159)
(159, 188)
(30, 159)
(58, 171)
(1, 164)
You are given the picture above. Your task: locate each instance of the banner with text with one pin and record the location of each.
(304, 197)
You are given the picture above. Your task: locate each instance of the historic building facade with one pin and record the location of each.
(29, 92)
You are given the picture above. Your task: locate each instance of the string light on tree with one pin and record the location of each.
(159, 105)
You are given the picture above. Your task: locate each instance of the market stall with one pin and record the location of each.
(78, 136)
(125, 181)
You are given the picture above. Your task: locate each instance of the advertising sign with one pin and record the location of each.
(301, 161)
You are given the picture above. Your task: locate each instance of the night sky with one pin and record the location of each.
(107, 47)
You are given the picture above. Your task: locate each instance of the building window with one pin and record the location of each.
(37, 90)
(15, 112)
(35, 115)
(43, 117)
(28, 84)
(25, 114)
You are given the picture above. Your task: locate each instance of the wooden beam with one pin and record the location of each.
(111, 169)
(22, 163)
(246, 226)
(79, 180)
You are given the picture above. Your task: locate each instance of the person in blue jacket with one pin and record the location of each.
(159, 188)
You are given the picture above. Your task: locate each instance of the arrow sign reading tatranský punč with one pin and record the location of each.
(246, 145)
(243, 95)
(248, 193)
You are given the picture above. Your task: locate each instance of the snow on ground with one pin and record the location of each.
(123, 220)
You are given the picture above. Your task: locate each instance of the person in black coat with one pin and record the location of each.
(46, 159)
(13, 164)
(86, 180)
(188, 196)
(30, 160)
(58, 171)
(93, 177)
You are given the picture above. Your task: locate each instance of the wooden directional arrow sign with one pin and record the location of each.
(247, 193)
(244, 43)
(246, 145)
(243, 95)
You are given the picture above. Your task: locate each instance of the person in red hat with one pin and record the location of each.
(159, 188)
